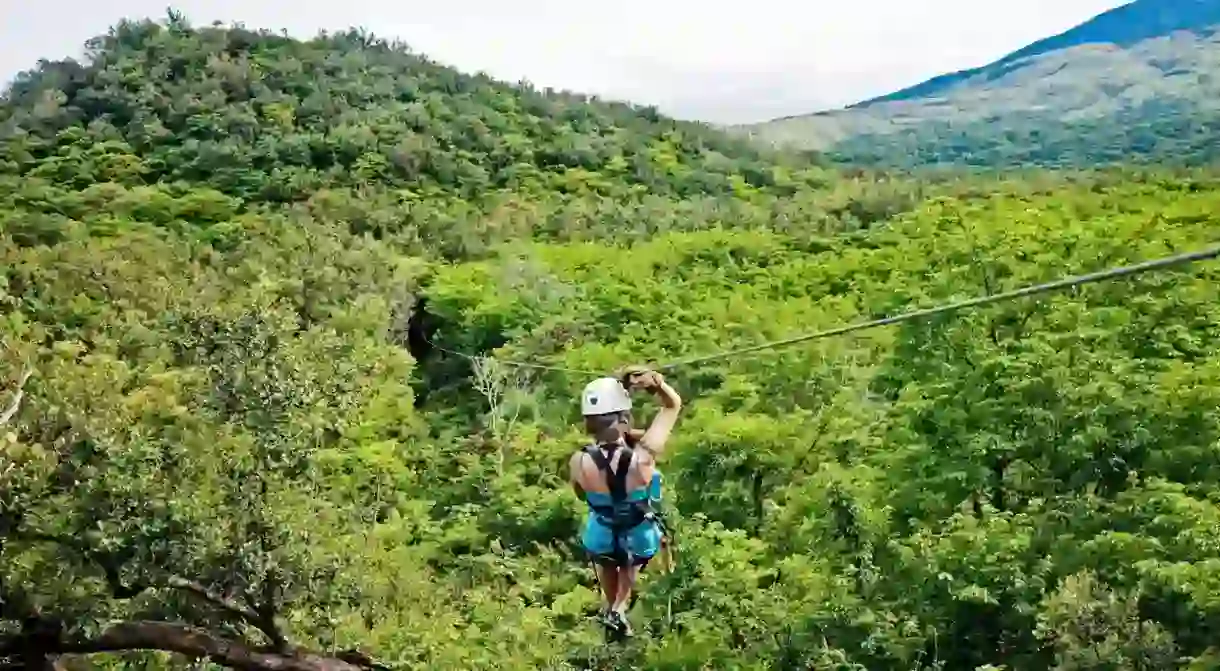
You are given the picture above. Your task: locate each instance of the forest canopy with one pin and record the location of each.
(233, 266)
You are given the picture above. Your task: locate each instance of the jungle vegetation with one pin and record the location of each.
(234, 268)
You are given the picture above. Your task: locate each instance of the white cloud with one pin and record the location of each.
(725, 62)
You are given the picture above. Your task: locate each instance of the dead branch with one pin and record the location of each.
(18, 395)
(498, 384)
(494, 381)
(220, 602)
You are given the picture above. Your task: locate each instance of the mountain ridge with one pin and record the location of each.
(1138, 83)
(1123, 26)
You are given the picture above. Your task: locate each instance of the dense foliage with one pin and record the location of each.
(227, 431)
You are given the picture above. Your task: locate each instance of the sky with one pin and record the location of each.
(723, 62)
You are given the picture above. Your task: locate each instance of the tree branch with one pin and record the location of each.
(204, 594)
(265, 615)
(18, 395)
(184, 640)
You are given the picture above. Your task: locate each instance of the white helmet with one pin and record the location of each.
(603, 396)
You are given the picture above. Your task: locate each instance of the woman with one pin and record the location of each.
(617, 476)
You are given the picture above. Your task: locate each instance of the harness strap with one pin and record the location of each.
(616, 479)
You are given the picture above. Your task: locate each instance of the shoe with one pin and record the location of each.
(617, 621)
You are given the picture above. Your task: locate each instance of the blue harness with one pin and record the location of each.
(625, 514)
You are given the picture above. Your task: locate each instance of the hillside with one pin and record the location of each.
(356, 128)
(228, 437)
(1138, 83)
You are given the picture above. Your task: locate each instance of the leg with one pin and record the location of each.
(598, 542)
(644, 542)
(608, 578)
(625, 582)
(617, 615)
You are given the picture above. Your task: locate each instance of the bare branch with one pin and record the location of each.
(18, 395)
(489, 380)
(204, 594)
(495, 381)
(516, 382)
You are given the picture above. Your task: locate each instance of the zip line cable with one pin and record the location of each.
(517, 364)
(1065, 283)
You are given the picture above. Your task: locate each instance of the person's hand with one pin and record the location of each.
(655, 380)
(639, 377)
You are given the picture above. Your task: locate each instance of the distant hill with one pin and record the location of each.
(266, 118)
(367, 132)
(1137, 83)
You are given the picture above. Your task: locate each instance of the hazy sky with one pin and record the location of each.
(717, 61)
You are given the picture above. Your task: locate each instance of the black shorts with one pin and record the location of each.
(602, 560)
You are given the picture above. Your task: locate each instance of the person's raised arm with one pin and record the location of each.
(657, 435)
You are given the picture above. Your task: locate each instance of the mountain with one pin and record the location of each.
(1137, 83)
(1123, 26)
